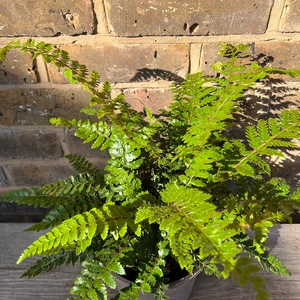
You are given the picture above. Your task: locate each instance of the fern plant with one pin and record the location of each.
(176, 189)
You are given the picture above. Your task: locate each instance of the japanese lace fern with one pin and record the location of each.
(176, 188)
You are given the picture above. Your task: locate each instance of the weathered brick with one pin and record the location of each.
(175, 17)
(46, 18)
(3, 178)
(29, 144)
(282, 54)
(17, 68)
(285, 54)
(266, 101)
(127, 63)
(36, 106)
(208, 58)
(35, 174)
(151, 98)
(288, 170)
(290, 21)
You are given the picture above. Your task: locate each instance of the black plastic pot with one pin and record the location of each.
(177, 290)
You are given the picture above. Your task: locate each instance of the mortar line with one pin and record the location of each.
(270, 16)
(7, 174)
(162, 84)
(8, 188)
(196, 50)
(62, 86)
(273, 24)
(201, 58)
(106, 16)
(32, 128)
(189, 58)
(42, 70)
(96, 23)
(281, 15)
(96, 40)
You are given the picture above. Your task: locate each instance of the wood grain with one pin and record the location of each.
(55, 285)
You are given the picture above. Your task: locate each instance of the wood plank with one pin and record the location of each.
(284, 243)
(54, 285)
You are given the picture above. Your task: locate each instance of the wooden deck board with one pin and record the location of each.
(284, 243)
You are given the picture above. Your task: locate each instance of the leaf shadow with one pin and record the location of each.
(146, 74)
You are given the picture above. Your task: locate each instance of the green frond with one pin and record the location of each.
(264, 166)
(264, 138)
(78, 231)
(273, 264)
(191, 225)
(228, 50)
(246, 271)
(123, 184)
(90, 111)
(95, 276)
(94, 79)
(129, 293)
(152, 272)
(124, 152)
(83, 73)
(75, 232)
(69, 124)
(81, 164)
(296, 195)
(69, 74)
(267, 261)
(208, 108)
(71, 207)
(261, 231)
(79, 184)
(32, 196)
(50, 263)
(4, 50)
(97, 132)
(201, 167)
(290, 72)
(177, 186)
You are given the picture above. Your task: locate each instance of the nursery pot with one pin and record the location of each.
(177, 290)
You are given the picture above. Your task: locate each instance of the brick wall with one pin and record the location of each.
(140, 46)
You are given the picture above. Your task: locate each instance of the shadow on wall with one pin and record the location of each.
(146, 74)
(264, 102)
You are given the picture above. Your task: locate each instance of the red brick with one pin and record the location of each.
(175, 17)
(46, 18)
(29, 144)
(122, 63)
(17, 68)
(150, 98)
